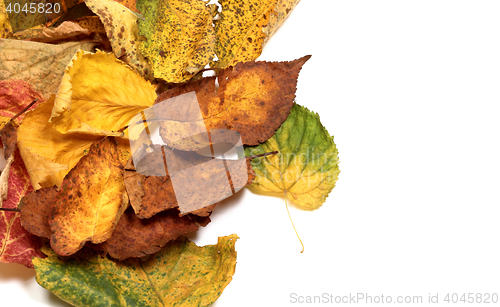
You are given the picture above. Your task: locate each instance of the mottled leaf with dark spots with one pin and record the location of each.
(180, 274)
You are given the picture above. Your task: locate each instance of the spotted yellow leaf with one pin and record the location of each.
(122, 31)
(245, 26)
(179, 37)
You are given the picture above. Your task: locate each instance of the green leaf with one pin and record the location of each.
(181, 274)
(306, 167)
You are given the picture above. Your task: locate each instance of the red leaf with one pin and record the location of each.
(16, 244)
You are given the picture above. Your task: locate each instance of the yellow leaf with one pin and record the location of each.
(91, 200)
(180, 37)
(99, 95)
(41, 65)
(48, 154)
(123, 33)
(245, 26)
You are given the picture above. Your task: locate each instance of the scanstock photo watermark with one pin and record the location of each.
(367, 298)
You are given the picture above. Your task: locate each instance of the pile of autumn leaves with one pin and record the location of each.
(84, 210)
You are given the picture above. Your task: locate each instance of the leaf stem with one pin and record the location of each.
(289, 216)
(263, 155)
(24, 110)
(291, 221)
(10, 209)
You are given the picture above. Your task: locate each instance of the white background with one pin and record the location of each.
(410, 90)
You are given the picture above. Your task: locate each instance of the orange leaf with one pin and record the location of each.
(91, 201)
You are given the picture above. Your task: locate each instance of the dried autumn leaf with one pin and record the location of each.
(15, 96)
(48, 154)
(5, 27)
(130, 4)
(180, 37)
(20, 20)
(135, 237)
(65, 30)
(41, 65)
(91, 201)
(152, 194)
(123, 33)
(281, 11)
(306, 167)
(253, 98)
(16, 244)
(35, 211)
(245, 26)
(132, 237)
(99, 95)
(181, 274)
(91, 23)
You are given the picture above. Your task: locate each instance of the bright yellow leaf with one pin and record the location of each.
(48, 154)
(99, 95)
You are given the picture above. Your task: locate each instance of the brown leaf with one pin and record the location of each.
(253, 98)
(134, 237)
(35, 211)
(65, 30)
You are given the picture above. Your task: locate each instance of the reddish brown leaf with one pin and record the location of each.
(35, 211)
(134, 237)
(253, 98)
(16, 244)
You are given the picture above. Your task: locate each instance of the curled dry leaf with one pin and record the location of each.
(41, 65)
(306, 167)
(91, 201)
(253, 98)
(16, 244)
(180, 274)
(65, 30)
(180, 37)
(99, 95)
(122, 31)
(245, 26)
